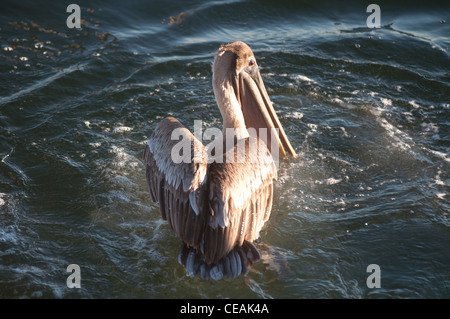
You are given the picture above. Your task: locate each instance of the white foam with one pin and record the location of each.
(303, 78)
(438, 180)
(297, 115)
(332, 181)
(95, 145)
(329, 181)
(396, 134)
(414, 104)
(440, 154)
(441, 195)
(344, 132)
(338, 101)
(386, 102)
(123, 159)
(122, 129)
(377, 111)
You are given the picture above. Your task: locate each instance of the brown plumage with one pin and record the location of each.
(218, 205)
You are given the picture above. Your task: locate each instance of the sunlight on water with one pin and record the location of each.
(366, 110)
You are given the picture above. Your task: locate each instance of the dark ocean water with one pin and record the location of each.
(367, 110)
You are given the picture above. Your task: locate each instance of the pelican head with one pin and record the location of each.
(241, 96)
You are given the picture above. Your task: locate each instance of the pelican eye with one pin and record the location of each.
(252, 61)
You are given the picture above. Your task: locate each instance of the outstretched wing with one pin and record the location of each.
(176, 172)
(240, 193)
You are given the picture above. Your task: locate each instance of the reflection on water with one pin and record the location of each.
(367, 111)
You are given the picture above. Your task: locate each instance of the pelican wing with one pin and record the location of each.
(240, 197)
(176, 171)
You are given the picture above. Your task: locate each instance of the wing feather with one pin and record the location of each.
(239, 194)
(177, 187)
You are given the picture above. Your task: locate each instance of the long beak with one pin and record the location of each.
(258, 110)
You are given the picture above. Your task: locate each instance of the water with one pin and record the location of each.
(367, 110)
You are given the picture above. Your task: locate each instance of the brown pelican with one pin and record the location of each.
(218, 207)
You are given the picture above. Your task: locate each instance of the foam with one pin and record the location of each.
(386, 102)
(297, 115)
(396, 134)
(122, 129)
(440, 154)
(123, 159)
(299, 78)
(414, 104)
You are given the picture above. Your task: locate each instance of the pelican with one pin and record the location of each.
(218, 207)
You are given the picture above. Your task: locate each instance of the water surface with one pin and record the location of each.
(367, 111)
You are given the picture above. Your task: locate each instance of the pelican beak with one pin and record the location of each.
(257, 108)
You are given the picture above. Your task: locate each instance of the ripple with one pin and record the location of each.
(366, 111)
